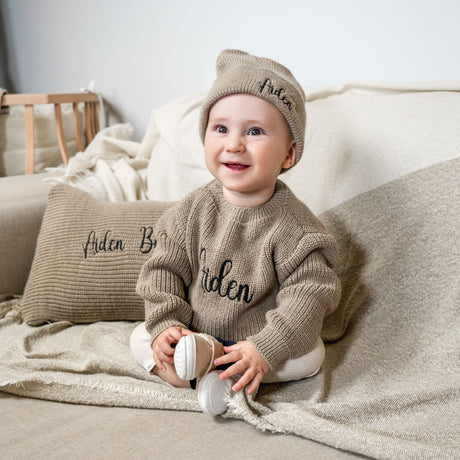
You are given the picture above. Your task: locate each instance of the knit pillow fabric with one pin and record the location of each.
(88, 257)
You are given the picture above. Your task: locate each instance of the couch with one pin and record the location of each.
(380, 168)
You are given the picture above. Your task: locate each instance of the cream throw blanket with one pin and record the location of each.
(389, 387)
(113, 167)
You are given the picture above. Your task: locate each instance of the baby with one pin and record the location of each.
(242, 275)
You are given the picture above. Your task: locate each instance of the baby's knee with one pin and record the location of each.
(314, 359)
(303, 367)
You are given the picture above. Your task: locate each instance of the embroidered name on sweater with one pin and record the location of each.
(106, 243)
(221, 283)
(280, 93)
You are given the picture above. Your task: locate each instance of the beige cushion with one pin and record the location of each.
(22, 204)
(88, 257)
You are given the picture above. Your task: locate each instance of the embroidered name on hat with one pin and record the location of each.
(268, 87)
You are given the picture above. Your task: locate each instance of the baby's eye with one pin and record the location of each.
(255, 132)
(222, 129)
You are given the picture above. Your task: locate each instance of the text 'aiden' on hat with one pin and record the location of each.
(241, 72)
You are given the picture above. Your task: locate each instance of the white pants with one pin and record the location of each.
(292, 369)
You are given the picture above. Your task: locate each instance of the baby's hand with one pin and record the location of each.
(163, 346)
(247, 361)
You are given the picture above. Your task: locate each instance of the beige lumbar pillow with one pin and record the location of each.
(88, 257)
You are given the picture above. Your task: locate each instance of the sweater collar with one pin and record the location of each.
(271, 207)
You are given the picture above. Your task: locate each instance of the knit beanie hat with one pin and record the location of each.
(241, 72)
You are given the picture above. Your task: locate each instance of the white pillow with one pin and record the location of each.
(359, 135)
(177, 160)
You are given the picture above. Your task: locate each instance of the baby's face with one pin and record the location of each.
(247, 144)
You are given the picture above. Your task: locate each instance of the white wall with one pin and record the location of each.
(143, 53)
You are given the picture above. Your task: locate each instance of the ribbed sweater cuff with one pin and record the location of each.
(270, 349)
(158, 327)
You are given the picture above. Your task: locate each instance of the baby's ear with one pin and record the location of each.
(290, 156)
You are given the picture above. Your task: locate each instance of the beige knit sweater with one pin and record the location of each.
(263, 274)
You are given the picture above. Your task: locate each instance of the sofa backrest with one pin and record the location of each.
(359, 135)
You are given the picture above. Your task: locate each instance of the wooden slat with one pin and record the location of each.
(60, 134)
(27, 99)
(76, 127)
(90, 120)
(93, 119)
(88, 130)
(96, 114)
(30, 140)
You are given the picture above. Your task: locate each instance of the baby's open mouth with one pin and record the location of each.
(236, 166)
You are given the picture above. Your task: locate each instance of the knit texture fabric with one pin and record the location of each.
(240, 72)
(262, 274)
(88, 256)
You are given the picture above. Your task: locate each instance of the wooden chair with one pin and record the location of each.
(91, 102)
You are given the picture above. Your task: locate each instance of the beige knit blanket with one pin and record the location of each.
(389, 387)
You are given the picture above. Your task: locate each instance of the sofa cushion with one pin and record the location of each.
(88, 256)
(22, 204)
(359, 135)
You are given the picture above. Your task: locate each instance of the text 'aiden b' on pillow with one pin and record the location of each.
(88, 257)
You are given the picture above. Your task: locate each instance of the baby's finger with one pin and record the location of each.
(165, 347)
(186, 331)
(237, 368)
(174, 334)
(158, 362)
(165, 357)
(171, 342)
(227, 359)
(245, 379)
(254, 385)
(234, 347)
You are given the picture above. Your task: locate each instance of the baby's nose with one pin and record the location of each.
(235, 144)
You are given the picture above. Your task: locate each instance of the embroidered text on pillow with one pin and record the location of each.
(280, 93)
(93, 245)
(91, 274)
(147, 244)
